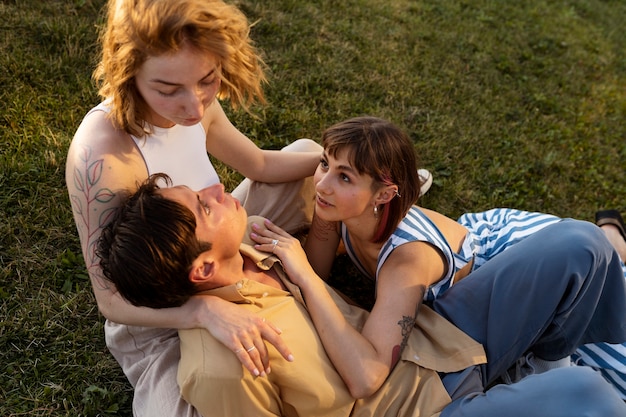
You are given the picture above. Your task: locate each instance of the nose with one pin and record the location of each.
(320, 181)
(195, 106)
(215, 191)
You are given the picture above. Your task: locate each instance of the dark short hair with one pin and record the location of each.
(148, 248)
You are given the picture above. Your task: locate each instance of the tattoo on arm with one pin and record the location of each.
(86, 202)
(406, 326)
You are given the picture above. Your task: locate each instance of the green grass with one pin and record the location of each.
(518, 104)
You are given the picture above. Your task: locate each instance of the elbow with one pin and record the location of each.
(364, 387)
(106, 302)
(104, 309)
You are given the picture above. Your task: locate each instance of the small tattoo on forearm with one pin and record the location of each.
(406, 325)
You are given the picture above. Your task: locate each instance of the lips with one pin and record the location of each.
(236, 203)
(322, 203)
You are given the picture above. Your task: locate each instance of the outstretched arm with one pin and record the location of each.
(247, 158)
(364, 359)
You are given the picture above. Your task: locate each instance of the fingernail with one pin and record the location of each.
(254, 234)
(256, 372)
(290, 358)
(263, 374)
(268, 370)
(255, 226)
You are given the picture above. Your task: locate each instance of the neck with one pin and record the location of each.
(362, 228)
(254, 273)
(240, 267)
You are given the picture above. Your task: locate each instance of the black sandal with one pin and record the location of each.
(612, 217)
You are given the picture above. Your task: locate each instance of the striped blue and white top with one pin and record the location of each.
(417, 227)
(489, 234)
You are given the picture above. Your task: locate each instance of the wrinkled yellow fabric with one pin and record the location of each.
(213, 380)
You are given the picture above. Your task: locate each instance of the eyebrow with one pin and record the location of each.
(164, 82)
(341, 167)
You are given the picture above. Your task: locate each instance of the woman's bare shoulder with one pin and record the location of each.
(100, 150)
(98, 132)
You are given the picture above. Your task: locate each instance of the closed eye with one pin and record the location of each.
(167, 93)
(205, 206)
(209, 83)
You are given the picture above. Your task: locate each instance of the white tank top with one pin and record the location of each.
(178, 151)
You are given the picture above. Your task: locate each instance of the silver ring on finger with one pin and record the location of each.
(274, 243)
(251, 349)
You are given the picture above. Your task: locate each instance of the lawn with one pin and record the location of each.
(518, 104)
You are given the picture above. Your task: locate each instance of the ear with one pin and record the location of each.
(203, 269)
(386, 193)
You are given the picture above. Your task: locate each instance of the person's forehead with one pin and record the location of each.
(175, 193)
(341, 158)
(168, 67)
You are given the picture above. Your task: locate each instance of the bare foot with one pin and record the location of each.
(616, 239)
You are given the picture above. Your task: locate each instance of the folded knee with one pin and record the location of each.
(303, 145)
(582, 234)
(595, 396)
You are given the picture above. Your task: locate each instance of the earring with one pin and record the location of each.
(375, 210)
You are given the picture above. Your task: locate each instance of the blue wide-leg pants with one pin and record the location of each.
(558, 289)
